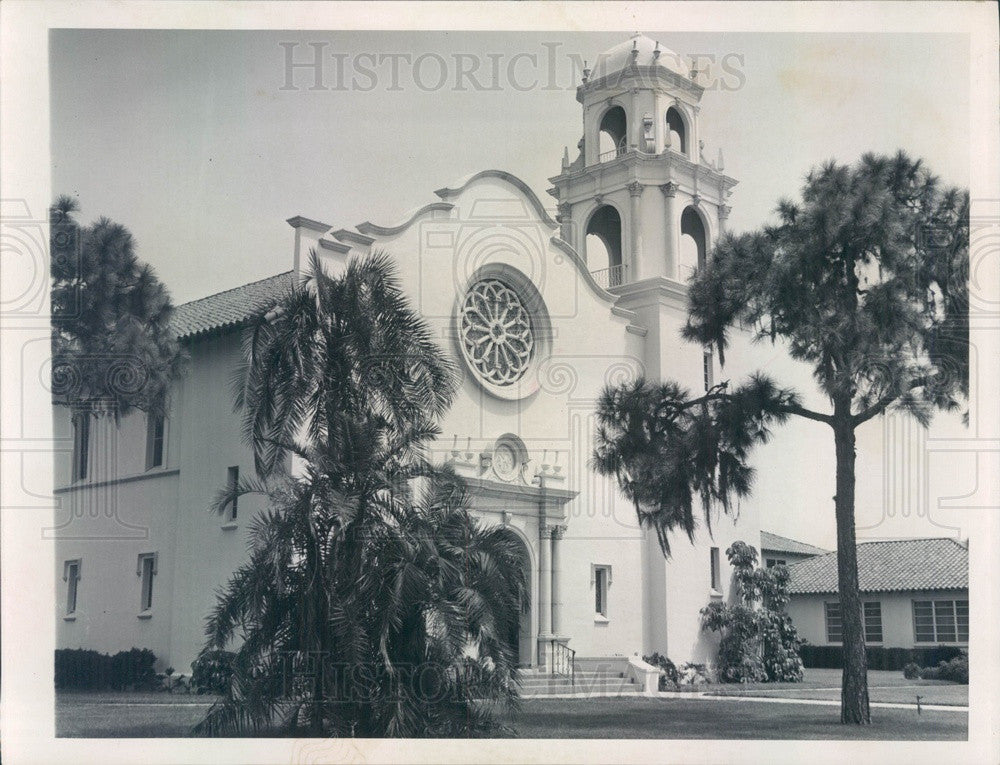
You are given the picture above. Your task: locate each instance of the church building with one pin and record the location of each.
(541, 311)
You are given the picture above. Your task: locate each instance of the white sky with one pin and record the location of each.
(187, 138)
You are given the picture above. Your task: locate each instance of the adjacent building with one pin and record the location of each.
(777, 550)
(915, 594)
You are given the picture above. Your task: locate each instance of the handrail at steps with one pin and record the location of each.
(563, 660)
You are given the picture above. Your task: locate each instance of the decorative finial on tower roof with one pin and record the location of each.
(656, 51)
(586, 72)
(722, 165)
(635, 48)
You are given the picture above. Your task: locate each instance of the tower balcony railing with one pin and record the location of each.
(610, 277)
(618, 151)
(609, 155)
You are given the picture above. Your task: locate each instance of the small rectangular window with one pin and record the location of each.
(716, 571)
(147, 572)
(81, 446)
(873, 621)
(772, 562)
(707, 368)
(601, 580)
(232, 481)
(72, 577)
(834, 626)
(155, 438)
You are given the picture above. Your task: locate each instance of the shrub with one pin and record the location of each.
(759, 642)
(84, 669)
(956, 670)
(132, 670)
(932, 673)
(693, 674)
(212, 672)
(81, 669)
(911, 671)
(669, 677)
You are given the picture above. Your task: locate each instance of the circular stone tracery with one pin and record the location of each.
(505, 461)
(496, 332)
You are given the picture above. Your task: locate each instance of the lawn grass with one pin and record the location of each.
(113, 716)
(947, 695)
(725, 719)
(883, 686)
(110, 715)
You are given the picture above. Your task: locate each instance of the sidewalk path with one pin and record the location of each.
(708, 696)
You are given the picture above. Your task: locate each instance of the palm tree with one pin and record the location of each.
(372, 603)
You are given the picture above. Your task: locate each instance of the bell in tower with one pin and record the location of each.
(641, 201)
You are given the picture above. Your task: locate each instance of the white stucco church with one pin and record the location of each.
(541, 311)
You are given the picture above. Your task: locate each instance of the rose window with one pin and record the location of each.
(496, 333)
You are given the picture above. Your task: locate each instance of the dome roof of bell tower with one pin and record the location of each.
(644, 51)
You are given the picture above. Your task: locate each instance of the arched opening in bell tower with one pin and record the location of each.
(694, 243)
(612, 140)
(604, 246)
(676, 130)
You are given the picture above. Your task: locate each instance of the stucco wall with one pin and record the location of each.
(438, 257)
(208, 548)
(118, 513)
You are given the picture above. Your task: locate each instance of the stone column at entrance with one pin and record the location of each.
(545, 581)
(557, 535)
(544, 595)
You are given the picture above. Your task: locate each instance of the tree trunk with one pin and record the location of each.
(319, 626)
(854, 689)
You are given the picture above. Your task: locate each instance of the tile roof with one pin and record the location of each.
(769, 541)
(231, 308)
(891, 566)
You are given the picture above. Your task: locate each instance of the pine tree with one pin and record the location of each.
(112, 346)
(865, 280)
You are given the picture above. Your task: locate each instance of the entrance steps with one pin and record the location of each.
(587, 683)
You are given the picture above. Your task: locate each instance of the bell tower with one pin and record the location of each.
(641, 201)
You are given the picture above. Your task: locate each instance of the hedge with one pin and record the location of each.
(83, 669)
(879, 657)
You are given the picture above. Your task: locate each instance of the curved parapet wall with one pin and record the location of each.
(450, 192)
(374, 229)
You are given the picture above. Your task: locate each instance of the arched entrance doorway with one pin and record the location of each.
(520, 635)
